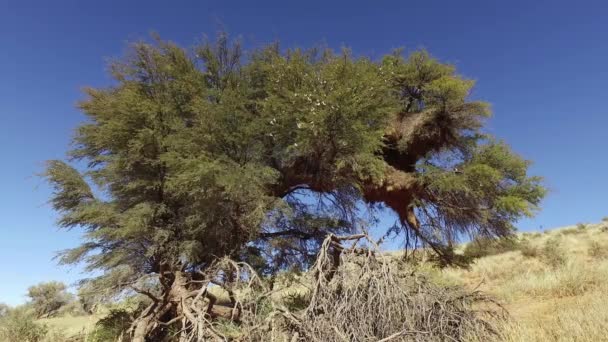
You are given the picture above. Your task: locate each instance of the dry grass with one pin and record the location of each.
(71, 326)
(581, 318)
(548, 301)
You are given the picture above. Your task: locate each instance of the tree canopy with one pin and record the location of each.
(198, 154)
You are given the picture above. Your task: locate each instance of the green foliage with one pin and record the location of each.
(581, 226)
(296, 300)
(18, 325)
(230, 329)
(333, 103)
(47, 298)
(88, 298)
(481, 247)
(475, 196)
(112, 326)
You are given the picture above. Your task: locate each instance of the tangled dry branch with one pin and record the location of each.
(363, 295)
(352, 293)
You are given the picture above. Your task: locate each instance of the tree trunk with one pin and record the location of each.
(142, 329)
(146, 322)
(178, 297)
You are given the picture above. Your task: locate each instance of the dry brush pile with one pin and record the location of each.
(353, 293)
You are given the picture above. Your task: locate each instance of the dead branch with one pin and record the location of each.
(353, 293)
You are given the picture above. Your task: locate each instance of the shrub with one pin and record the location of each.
(553, 254)
(605, 219)
(112, 327)
(18, 325)
(4, 309)
(47, 298)
(481, 247)
(570, 231)
(597, 251)
(72, 308)
(528, 250)
(296, 300)
(581, 226)
(60, 336)
(88, 298)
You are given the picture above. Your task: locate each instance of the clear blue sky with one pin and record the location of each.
(542, 64)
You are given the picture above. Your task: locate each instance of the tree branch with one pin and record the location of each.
(146, 293)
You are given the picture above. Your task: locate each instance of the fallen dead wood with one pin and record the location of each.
(354, 293)
(362, 295)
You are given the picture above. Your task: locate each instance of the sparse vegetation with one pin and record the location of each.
(569, 231)
(528, 250)
(597, 250)
(47, 298)
(481, 247)
(554, 293)
(4, 309)
(51, 315)
(113, 326)
(584, 319)
(19, 324)
(553, 253)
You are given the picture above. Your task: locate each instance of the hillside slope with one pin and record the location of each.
(554, 285)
